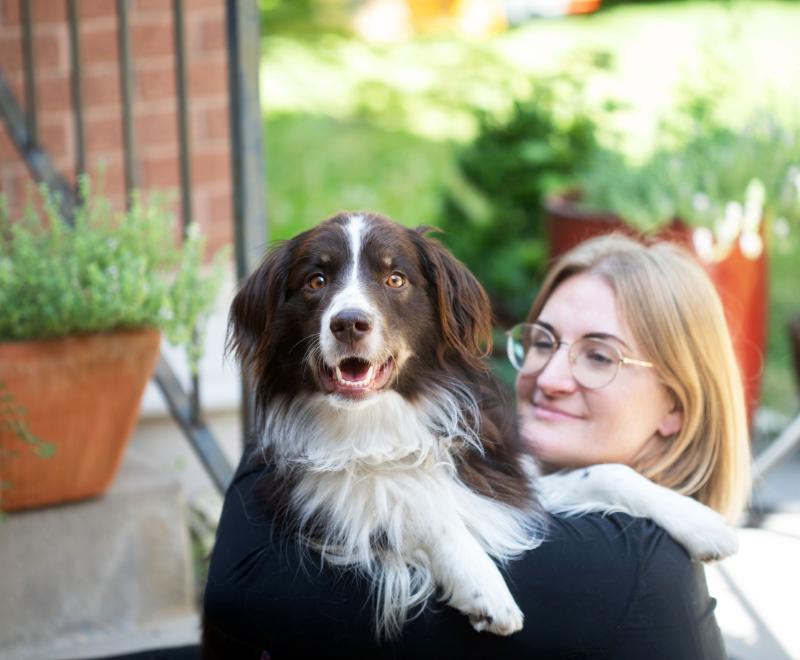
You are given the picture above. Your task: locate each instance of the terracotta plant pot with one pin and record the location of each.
(81, 394)
(741, 281)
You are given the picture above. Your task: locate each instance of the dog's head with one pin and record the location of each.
(355, 307)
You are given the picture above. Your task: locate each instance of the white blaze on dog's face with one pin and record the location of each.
(369, 298)
(355, 307)
(359, 358)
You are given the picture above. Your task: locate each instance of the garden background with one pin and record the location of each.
(380, 122)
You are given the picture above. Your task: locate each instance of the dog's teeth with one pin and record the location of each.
(339, 374)
(368, 377)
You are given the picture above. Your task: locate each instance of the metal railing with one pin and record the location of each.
(242, 27)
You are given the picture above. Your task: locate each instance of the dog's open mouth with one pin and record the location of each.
(356, 378)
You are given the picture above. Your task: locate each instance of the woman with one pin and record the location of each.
(647, 376)
(626, 358)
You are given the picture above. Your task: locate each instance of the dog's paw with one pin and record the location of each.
(702, 532)
(504, 620)
(494, 611)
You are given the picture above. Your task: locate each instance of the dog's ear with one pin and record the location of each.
(465, 313)
(252, 312)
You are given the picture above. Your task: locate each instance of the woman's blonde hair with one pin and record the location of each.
(676, 317)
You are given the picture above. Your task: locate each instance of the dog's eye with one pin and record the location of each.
(395, 280)
(317, 281)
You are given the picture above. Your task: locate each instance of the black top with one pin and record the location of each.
(610, 586)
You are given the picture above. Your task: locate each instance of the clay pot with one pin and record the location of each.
(741, 282)
(82, 395)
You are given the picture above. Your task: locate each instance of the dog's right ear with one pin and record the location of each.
(253, 310)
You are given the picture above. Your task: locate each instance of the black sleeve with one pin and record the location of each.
(610, 587)
(670, 614)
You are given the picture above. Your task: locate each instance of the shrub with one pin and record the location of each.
(105, 272)
(493, 216)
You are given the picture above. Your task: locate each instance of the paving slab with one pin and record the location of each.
(89, 578)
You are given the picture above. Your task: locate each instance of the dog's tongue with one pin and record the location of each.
(354, 369)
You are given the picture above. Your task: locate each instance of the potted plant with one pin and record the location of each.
(82, 308)
(712, 187)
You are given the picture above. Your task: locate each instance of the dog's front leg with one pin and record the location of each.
(613, 487)
(470, 580)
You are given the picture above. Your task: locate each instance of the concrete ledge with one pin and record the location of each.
(100, 577)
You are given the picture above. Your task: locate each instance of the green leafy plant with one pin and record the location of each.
(492, 214)
(727, 180)
(106, 271)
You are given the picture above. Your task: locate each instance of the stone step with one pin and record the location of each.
(102, 577)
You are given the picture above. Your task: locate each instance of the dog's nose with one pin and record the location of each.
(351, 325)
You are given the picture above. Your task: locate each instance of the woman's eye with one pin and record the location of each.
(599, 358)
(317, 281)
(395, 281)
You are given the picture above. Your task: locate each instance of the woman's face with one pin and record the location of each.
(567, 425)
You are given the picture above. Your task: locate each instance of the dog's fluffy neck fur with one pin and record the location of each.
(388, 433)
(367, 481)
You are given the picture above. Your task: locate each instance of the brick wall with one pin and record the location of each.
(155, 103)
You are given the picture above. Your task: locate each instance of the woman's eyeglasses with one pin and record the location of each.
(594, 363)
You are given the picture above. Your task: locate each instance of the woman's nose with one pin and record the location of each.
(556, 376)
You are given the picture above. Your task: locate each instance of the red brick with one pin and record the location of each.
(48, 51)
(193, 6)
(212, 34)
(49, 11)
(101, 87)
(99, 43)
(160, 172)
(146, 6)
(212, 123)
(211, 166)
(103, 135)
(53, 96)
(155, 83)
(152, 38)
(53, 136)
(156, 128)
(209, 77)
(92, 9)
(44, 11)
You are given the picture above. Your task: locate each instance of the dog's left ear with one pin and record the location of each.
(252, 312)
(465, 313)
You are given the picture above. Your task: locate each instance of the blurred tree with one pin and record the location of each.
(493, 216)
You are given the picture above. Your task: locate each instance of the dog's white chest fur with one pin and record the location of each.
(378, 486)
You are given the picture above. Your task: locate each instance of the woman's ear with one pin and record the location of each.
(465, 314)
(671, 423)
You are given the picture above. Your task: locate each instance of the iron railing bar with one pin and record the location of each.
(183, 109)
(199, 435)
(185, 162)
(41, 168)
(76, 85)
(247, 153)
(126, 96)
(37, 160)
(29, 58)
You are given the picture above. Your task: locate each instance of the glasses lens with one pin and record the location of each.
(529, 347)
(594, 362)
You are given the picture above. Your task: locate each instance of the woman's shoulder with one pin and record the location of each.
(638, 586)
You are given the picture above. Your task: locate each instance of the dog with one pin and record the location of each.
(393, 450)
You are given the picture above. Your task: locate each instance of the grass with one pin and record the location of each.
(319, 165)
(357, 126)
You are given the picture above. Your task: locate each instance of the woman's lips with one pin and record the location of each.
(551, 414)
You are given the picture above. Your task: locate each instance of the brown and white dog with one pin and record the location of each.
(393, 449)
